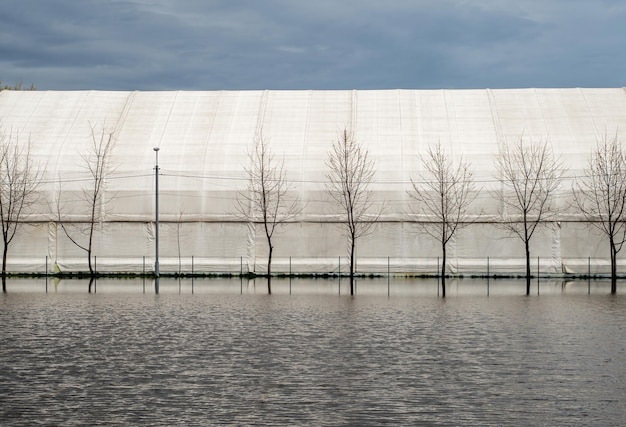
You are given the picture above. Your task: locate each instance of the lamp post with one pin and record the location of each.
(156, 212)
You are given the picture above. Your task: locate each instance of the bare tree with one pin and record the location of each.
(529, 176)
(17, 86)
(601, 195)
(20, 178)
(443, 192)
(350, 174)
(266, 197)
(98, 162)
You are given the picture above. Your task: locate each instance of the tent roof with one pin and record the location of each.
(204, 136)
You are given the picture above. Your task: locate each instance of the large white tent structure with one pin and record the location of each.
(204, 139)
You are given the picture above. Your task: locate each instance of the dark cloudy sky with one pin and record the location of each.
(312, 44)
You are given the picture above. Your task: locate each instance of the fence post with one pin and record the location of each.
(538, 268)
(290, 275)
(192, 269)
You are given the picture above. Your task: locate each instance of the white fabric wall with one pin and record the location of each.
(204, 137)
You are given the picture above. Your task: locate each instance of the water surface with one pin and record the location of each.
(225, 352)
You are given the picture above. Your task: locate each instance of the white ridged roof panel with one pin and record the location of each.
(204, 137)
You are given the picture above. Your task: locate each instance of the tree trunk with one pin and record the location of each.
(443, 272)
(527, 267)
(613, 268)
(90, 245)
(269, 270)
(4, 260)
(352, 244)
(89, 263)
(4, 266)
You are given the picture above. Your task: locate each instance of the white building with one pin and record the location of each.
(204, 138)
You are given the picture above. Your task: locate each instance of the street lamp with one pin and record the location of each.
(156, 212)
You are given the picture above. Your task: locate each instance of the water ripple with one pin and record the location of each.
(210, 358)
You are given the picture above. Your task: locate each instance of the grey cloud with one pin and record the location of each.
(326, 44)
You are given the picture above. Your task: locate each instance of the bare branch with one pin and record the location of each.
(20, 177)
(601, 194)
(266, 198)
(529, 177)
(350, 174)
(98, 162)
(443, 194)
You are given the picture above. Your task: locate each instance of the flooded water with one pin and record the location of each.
(224, 352)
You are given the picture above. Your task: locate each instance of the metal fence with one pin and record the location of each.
(312, 266)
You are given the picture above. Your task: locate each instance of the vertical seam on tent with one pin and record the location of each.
(418, 137)
(64, 140)
(495, 118)
(593, 120)
(127, 105)
(500, 139)
(449, 143)
(167, 120)
(555, 246)
(543, 116)
(353, 112)
(30, 116)
(169, 115)
(73, 123)
(207, 142)
(116, 128)
(261, 117)
(307, 125)
(251, 245)
(445, 103)
(52, 243)
(207, 139)
(402, 166)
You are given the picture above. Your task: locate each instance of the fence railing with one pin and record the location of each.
(378, 266)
